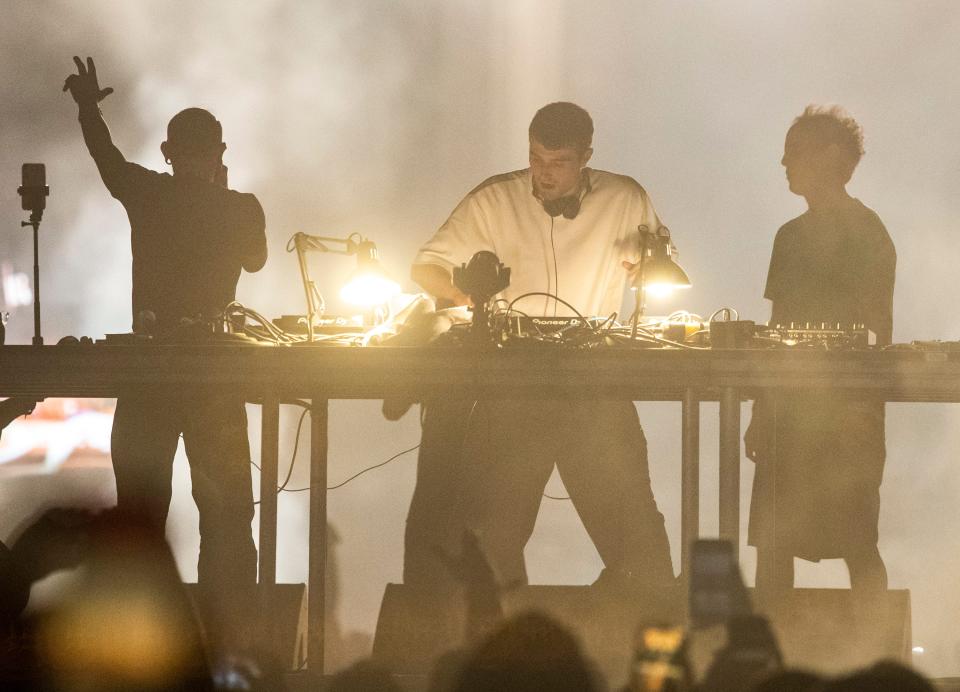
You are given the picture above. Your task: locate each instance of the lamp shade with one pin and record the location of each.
(661, 275)
(369, 285)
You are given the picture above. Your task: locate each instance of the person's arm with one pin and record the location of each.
(756, 439)
(878, 310)
(437, 281)
(462, 235)
(254, 240)
(643, 220)
(110, 162)
(86, 91)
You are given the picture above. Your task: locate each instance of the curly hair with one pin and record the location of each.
(833, 125)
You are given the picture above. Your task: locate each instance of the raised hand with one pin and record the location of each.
(83, 86)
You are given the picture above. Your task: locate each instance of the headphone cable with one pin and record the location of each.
(556, 273)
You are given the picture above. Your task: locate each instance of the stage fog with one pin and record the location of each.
(377, 117)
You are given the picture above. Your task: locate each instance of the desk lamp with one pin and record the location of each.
(369, 284)
(657, 274)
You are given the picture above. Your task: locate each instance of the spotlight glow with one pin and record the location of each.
(662, 290)
(369, 290)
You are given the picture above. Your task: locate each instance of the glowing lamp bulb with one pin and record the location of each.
(661, 290)
(369, 290)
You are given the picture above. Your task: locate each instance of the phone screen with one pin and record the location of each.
(33, 181)
(34, 175)
(659, 659)
(716, 590)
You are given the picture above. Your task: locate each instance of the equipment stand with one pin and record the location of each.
(34, 221)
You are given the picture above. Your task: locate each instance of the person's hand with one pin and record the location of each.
(454, 299)
(83, 86)
(460, 298)
(221, 177)
(631, 267)
(757, 438)
(751, 441)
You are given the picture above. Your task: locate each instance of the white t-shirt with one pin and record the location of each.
(579, 259)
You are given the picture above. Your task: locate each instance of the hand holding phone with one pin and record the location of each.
(717, 591)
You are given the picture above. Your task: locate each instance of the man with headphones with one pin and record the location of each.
(570, 232)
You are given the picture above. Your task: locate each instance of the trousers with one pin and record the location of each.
(146, 431)
(483, 467)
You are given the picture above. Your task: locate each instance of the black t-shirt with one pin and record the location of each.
(189, 238)
(834, 266)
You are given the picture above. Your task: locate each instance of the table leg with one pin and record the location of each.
(689, 478)
(267, 554)
(771, 590)
(316, 570)
(730, 468)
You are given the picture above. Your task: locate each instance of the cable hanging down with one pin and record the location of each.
(293, 458)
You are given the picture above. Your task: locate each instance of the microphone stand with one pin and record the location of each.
(483, 277)
(35, 216)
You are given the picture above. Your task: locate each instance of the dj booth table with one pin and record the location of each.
(268, 375)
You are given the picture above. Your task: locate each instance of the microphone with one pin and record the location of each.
(481, 279)
(33, 189)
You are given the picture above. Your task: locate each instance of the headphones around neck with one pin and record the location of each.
(569, 205)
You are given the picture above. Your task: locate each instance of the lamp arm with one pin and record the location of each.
(639, 306)
(303, 241)
(308, 288)
(318, 297)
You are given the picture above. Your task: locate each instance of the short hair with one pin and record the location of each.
(194, 130)
(562, 125)
(833, 125)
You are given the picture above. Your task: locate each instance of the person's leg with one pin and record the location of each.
(435, 519)
(784, 501)
(218, 450)
(868, 574)
(862, 458)
(873, 627)
(509, 453)
(143, 443)
(603, 464)
(774, 576)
